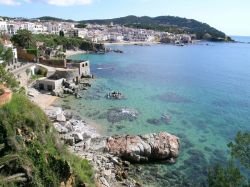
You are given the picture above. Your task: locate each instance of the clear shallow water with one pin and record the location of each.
(205, 88)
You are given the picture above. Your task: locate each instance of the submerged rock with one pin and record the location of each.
(166, 118)
(172, 98)
(115, 115)
(154, 121)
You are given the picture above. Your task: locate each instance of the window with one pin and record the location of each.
(86, 64)
(83, 65)
(41, 86)
(50, 88)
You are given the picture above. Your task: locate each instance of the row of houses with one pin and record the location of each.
(11, 27)
(95, 33)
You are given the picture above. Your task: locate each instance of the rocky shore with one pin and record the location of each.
(111, 156)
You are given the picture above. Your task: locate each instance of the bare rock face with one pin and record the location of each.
(151, 147)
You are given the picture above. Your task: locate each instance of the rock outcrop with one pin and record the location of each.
(110, 155)
(156, 147)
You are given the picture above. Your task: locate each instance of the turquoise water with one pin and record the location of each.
(204, 88)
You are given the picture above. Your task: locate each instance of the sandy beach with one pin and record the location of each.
(69, 53)
(43, 100)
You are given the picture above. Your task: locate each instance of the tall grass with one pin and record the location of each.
(46, 158)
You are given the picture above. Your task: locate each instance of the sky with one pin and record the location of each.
(229, 16)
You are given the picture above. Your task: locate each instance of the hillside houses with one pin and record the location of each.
(93, 32)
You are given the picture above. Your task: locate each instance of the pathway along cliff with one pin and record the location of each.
(111, 156)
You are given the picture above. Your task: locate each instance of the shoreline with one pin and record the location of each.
(43, 100)
(70, 53)
(131, 43)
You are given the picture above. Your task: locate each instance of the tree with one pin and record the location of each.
(24, 39)
(231, 176)
(240, 148)
(5, 55)
(61, 33)
(7, 78)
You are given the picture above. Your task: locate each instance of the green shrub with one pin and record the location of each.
(47, 160)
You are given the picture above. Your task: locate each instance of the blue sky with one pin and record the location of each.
(230, 16)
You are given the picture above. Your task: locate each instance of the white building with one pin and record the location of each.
(14, 63)
(3, 26)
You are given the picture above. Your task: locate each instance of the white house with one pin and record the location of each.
(3, 26)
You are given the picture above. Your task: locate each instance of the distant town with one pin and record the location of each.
(93, 32)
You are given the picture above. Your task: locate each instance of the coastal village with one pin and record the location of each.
(47, 77)
(52, 144)
(107, 93)
(94, 32)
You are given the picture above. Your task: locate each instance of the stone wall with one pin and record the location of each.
(53, 63)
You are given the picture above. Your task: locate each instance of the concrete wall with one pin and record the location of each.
(49, 85)
(83, 67)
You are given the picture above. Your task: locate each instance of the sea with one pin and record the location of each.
(203, 89)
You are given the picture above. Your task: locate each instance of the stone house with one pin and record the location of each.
(49, 84)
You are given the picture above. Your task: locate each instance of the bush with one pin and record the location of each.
(27, 132)
(42, 72)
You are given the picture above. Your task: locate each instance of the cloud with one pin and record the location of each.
(67, 2)
(50, 2)
(10, 2)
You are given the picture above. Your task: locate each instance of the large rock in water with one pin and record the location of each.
(151, 147)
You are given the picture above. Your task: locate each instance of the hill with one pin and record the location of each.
(169, 24)
(49, 18)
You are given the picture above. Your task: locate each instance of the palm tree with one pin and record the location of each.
(4, 160)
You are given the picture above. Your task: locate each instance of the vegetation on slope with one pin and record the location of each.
(169, 24)
(49, 18)
(25, 39)
(27, 133)
(30, 151)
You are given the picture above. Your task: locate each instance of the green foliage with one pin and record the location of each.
(49, 18)
(226, 177)
(83, 170)
(42, 72)
(68, 43)
(61, 33)
(9, 180)
(7, 78)
(5, 54)
(231, 176)
(27, 132)
(81, 26)
(24, 39)
(240, 148)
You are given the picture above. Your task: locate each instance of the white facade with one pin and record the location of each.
(3, 26)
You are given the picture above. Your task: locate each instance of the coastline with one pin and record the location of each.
(43, 100)
(131, 43)
(70, 53)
